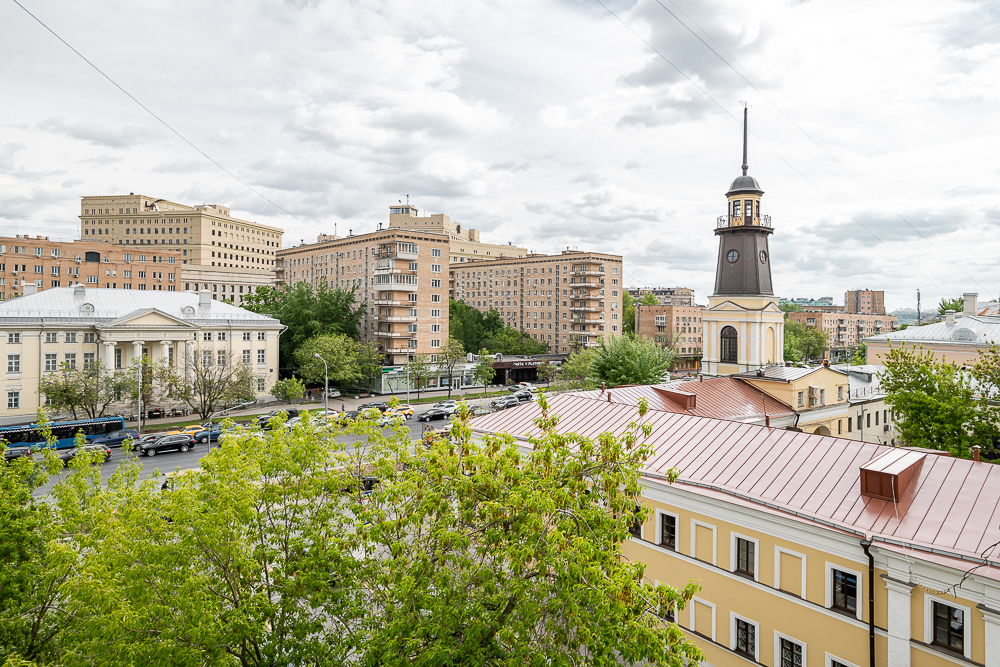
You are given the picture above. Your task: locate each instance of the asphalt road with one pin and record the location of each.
(167, 462)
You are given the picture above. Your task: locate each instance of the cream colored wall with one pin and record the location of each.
(963, 355)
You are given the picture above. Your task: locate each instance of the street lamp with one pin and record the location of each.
(326, 384)
(223, 412)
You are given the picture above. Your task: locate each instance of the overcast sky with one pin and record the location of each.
(550, 124)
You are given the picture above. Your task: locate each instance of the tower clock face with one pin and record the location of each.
(732, 256)
(763, 256)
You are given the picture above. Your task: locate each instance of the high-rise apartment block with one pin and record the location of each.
(399, 274)
(44, 264)
(845, 331)
(568, 301)
(665, 296)
(677, 327)
(465, 243)
(226, 255)
(865, 301)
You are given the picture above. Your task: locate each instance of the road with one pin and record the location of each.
(166, 462)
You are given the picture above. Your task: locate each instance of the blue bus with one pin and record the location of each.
(30, 435)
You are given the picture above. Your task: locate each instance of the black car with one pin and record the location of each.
(381, 407)
(433, 413)
(116, 438)
(206, 435)
(522, 396)
(12, 453)
(264, 419)
(103, 453)
(504, 403)
(167, 443)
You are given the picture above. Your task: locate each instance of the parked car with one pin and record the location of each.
(391, 419)
(523, 396)
(434, 413)
(478, 411)
(333, 393)
(12, 453)
(146, 439)
(205, 434)
(190, 430)
(522, 386)
(116, 438)
(171, 442)
(264, 419)
(504, 403)
(404, 410)
(103, 453)
(381, 407)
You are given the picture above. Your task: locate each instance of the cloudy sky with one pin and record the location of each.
(548, 123)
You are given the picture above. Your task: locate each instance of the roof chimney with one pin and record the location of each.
(971, 306)
(888, 475)
(79, 290)
(949, 316)
(204, 298)
(29, 288)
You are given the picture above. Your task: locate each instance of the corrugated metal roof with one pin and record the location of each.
(968, 330)
(111, 304)
(953, 506)
(720, 398)
(781, 373)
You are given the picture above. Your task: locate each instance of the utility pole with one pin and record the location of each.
(918, 306)
(326, 384)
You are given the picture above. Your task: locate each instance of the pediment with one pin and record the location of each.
(728, 306)
(150, 318)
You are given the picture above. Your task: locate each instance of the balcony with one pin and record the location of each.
(585, 309)
(394, 334)
(726, 221)
(382, 302)
(393, 254)
(592, 284)
(393, 318)
(587, 272)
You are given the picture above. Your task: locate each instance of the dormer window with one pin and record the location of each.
(87, 308)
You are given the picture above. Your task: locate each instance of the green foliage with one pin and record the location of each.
(547, 372)
(575, 371)
(466, 552)
(421, 371)
(957, 304)
(802, 343)
(649, 299)
(86, 389)
(935, 403)
(630, 360)
(628, 312)
(207, 385)
(511, 341)
(289, 389)
(307, 313)
(860, 356)
(345, 357)
(472, 327)
(789, 307)
(449, 356)
(484, 372)
(903, 327)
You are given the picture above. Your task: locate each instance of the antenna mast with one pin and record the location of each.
(745, 165)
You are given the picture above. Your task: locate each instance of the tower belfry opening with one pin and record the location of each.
(744, 328)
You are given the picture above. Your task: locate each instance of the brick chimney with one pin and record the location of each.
(970, 307)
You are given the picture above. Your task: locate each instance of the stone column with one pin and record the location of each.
(109, 355)
(899, 629)
(991, 618)
(164, 350)
(188, 356)
(137, 348)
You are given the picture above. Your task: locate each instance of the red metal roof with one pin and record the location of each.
(719, 398)
(952, 506)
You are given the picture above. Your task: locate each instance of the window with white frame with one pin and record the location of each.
(13, 363)
(247, 356)
(206, 358)
(666, 529)
(744, 556)
(948, 625)
(261, 335)
(246, 335)
(220, 357)
(51, 362)
(790, 652)
(14, 338)
(743, 637)
(13, 400)
(261, 383)
(261, 356)
(70, 359)
(843, 590)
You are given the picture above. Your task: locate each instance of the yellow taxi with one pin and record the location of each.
(404, 410)
(189, 430)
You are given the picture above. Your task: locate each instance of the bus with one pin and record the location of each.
(64, 432)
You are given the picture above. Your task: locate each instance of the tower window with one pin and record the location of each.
(730, 345)
(732, 256)
(737, 208)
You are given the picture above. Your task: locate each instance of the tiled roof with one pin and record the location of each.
(720, 398)
(967, 330)
(110, 304)
(952, 507)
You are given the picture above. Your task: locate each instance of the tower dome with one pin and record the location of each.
(745, 185)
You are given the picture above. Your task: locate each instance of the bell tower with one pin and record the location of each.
(743, 327)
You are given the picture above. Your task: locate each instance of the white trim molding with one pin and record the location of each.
(732, 634)
(734, 553)
(929, 601)
(777, 568)
(694, 539)
(830, 659)
(777, 648)
(858, 607)
(697, 601)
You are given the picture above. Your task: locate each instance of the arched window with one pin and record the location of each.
(730, 346)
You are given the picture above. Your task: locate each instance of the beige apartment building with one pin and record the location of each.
(79, 325)
(44, 264)
(676, 327)
(865, 302)
(568, 301)
(398, 273)
(465, 243)
(845, 331)
(220, 253)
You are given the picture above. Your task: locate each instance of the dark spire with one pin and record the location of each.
(745, 165)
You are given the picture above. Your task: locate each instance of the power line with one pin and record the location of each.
(799, 127)
(161, 121)
(768, 146)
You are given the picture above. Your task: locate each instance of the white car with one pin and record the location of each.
(448, 406)
(391, 420)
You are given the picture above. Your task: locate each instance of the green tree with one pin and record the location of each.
(946, 304)
(630, 360)
(471, 326)
(449, 356)
(789, 307)
(466, 552)
(511, 341)
(484, 371)
(421, 371)
(649, 299)
(343, 355)
(307, 312)
(87, 389)
(803, 343)
(575, 371)
(547, 372)
(934, 402)
(628, 312)
(859, 357)
(289, 389)
(211, 381)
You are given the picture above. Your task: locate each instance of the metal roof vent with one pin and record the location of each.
(204, 298)
(684, 399)
(79, 290)
(888, 475)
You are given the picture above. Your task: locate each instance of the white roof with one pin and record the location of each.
(99, 305)
(967, 330)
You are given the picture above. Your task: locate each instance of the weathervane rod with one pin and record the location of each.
(745, 166)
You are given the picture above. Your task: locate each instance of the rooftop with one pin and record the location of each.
(950, 511)
(965, 330)
(781, 373)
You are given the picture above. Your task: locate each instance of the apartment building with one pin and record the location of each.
(865, 302)
(677, 327)
(44, 264)
(568, 301)
(398, 273)
(810, 551)
(80, 324)
(666, 296)
(845, 331)
(229, 255)
(465, 244)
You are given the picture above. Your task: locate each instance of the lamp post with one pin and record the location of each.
(223, 412)
(326, 384)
